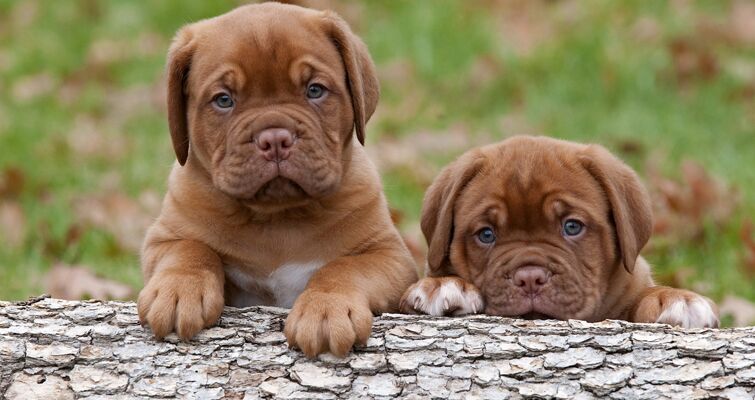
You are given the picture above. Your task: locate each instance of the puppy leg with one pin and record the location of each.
(677, 307)
(335, 310)
(438, 296)
(184, 288)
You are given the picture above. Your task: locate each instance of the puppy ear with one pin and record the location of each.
(179, 62)
(629, 200)
(438, 208)
(360, 71)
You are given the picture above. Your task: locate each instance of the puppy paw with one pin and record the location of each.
(321, 322)
(677, 307)
(181, 301)
(448, 295)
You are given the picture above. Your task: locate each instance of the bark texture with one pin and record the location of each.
(56, 349)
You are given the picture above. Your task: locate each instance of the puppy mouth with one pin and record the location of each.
(278, 189)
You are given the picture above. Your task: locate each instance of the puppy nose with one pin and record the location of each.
(275, 143)
(531, 278)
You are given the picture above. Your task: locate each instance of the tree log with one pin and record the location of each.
(57, 349)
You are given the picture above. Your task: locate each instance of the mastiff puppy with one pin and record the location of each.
(272, 201)
(534, 227)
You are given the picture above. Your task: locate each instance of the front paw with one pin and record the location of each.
(181, 301)
(320, 322)
(677, 307)
(447, 295)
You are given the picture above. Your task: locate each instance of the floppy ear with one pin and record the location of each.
(360, 71)
(438, 208)
(179, 62)
(629, 200)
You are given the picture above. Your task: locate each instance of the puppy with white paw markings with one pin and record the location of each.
(272, 200)
(534, 227)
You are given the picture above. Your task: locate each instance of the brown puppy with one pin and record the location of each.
(272, 202)
(535, 227)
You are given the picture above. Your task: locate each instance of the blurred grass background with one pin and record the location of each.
(667, 85)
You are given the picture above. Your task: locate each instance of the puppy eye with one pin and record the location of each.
(572, 227)
(223, 100)
(315, 91)
(486, 236)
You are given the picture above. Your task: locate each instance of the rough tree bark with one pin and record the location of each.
(65, 349)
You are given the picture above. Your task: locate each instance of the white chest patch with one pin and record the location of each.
(285, 283)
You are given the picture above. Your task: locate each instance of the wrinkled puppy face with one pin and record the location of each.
(536, 224)
(265, 98)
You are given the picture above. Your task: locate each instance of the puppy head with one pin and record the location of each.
(539, 225)
(265, 99)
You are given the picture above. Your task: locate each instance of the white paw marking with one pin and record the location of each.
(695, 313)
(449, 296)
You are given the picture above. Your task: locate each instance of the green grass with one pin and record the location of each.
(589, 79)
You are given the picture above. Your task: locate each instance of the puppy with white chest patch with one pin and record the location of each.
(534, 227)
(273, 201)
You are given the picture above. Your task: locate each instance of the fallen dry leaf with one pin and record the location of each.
(524, 25)
(88, 139)
(12, 182)
(646, 29)
(24, 14)
(12, 224)
(692, 60)
(30, 87)
(126, 219)
(742, 21)
(682, 207)
(741, 310)
(79, 282)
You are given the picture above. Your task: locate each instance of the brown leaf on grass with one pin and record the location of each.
(30, 87)
(630, 147)
(742, 21)
(12, 182)
(108, 51)
(12, 224)
(483, 71)
(683, 207)
(79, 282)
(646, 29)
(24, 14)
(524, 25)
(126, 219)
(741, 310)
(88, 139)
(409, 153)
(748, 246)
(692, 60)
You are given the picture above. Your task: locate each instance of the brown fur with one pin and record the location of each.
(524, 188)
(227, 206)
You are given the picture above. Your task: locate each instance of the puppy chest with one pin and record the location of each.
(283, 285)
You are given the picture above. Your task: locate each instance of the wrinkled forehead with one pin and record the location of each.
(534, 183)
(259, 43)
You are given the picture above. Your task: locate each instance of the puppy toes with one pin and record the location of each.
(180, 302)
(448, 295)
(689, 313)
(327, 322)
(677, 307)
